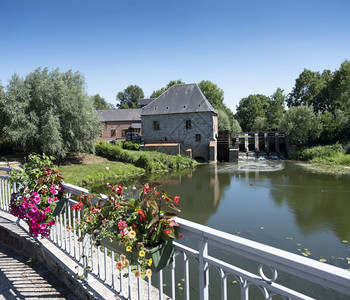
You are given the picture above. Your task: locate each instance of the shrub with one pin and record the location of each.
(150, 161)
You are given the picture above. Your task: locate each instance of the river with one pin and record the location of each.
(278, 203)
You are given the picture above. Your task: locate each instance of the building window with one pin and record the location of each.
(198, 137)
(113, 132)
(156, 125)
(124, 131)
(188, 124)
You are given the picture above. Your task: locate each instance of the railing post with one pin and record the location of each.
(203, 271)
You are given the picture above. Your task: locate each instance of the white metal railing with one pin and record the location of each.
(101, 265)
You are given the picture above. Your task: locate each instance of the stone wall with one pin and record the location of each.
(192, 130)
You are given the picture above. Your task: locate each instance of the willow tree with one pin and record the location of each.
(50, 111)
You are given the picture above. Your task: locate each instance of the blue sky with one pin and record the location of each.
(245, 47)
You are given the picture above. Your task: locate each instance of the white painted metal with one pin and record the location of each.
(273, 258)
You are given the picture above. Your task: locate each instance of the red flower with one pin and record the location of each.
(176, 199)
(77, 206)
(142, 215)
(119, 189)
(167, 231)
(134, 226)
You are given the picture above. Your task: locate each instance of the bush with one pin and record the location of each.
(7, 146)
(150, 161)
(129, 145)
(331, 153)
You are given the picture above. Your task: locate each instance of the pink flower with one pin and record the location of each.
(176, 199)
(35, 194)
(55, 199)
(49, 201)
(34, 209)
(121, 225)
(43, 226)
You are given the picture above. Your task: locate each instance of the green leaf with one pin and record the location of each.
(60, 207)
(154, 220)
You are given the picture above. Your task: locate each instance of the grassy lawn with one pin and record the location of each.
(83, 174)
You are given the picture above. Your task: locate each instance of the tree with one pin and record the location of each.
(260, 124)
(50, 112)
(301, 125)
(223, 121)
(312, 88)
(235, 128)
(213, 93)
(340, 88)
(2, 113)
(334, 127)
(275, 111)
(157, 93)
(250, 108)
(130, 97)
(100, 103)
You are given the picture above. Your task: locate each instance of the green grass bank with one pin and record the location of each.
(328, 159)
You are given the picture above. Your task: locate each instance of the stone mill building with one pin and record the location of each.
(181, 120)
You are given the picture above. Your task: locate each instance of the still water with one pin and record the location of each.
(273, 202)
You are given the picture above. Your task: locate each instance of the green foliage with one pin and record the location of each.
(275, 111)
(330, 153)
(157, 93)
(223, 121)
(250, 108)
(50, 112)
(130, 97)
(235, 128)
(301, 125)
(213, 93)
(259, 112)
(27, 176)
(335, 127)
(130, 145)
(100, 103)
(150, 161)
(7, 146)
(3, 120)
(260, 124)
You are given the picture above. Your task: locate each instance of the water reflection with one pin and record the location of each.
(254, 193)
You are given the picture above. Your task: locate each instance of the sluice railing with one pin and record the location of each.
(242, 266)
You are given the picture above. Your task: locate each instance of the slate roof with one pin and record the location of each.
(180, 98)
(145, 101)
(133, 115)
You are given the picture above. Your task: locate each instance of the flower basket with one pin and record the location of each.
(162, 255)
(141, 229)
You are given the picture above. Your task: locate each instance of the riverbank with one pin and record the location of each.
(327, 168)
(332, 159)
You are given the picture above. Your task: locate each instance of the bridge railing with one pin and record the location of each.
(195, 261)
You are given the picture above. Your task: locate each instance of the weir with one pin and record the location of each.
(269, 144)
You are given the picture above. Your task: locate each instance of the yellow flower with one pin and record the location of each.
(132, 234)
(142, 253)
(128, 248)
(137, 274)
(126, 263)
(119, 265)
(150, 262)
(148, 273)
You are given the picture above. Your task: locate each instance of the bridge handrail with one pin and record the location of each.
(276, 259)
